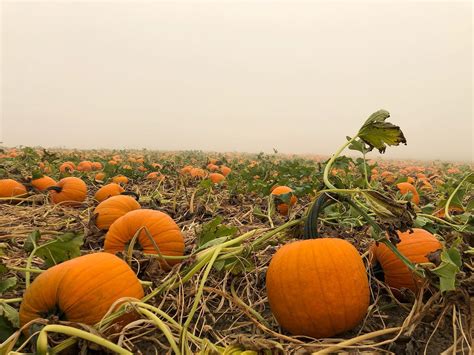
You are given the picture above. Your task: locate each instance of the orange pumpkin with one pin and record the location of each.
(164, 231)
(318, 287)
(80, 290)
(43, 183)
(186, 170)
(283, 207)
(120, 179)
(68, 191)
(99, 177)
(212, 167)
(225, 170)
(216, 177)
(67, 167)
(84, 166)
(108, 190)
(111, 209)
(96, 165)
(415, 246)
(155, 175)
(197, 173)
(406, 187)
(10, 188)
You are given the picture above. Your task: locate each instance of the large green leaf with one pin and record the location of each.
(9, 321)
(448, 269)
(377, 133)
(64, 247)
(214, 231)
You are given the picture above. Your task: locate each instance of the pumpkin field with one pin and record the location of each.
(191, 252)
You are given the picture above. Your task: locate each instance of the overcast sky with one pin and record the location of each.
(237, 76)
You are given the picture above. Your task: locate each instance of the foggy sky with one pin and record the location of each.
(237, 76)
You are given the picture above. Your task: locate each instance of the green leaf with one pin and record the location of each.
(377, 133)
(214, 230)
(64, 247)
(7, 284)
(32, 241)
(357, 145)
(10, 313)
(283, 198)
(449, 267)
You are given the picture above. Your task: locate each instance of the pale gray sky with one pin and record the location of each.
(236, 76)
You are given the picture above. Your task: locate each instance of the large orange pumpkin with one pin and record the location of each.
(10, 188)
(108, 190)
(43, 183)
(80, 290)
(163, 230)
(85, 165)
(415, 246)
(318, 287)
(283, 207)
(111, 209)
(406, 187)
(68, 191)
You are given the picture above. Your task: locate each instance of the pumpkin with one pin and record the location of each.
(283, 207)
(225, 170)
(68, 191)
(415, 246)
(99, 177)
(155, 175)
(96, 165)
(405, 188)
(186, 170)
(212, 167)
(80, 290)
(164, 231)
(111, 209)
(10, 188)
(108, 190)
(318, 287)
(43, 183)
(84, 166)
(67, 167)
(216, 177)
(120, 179)
(197, 173)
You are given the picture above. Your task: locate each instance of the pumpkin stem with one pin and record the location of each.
(55, 188)
(131, 193)
(311, 223)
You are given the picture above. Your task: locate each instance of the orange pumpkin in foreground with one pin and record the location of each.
(161, 227)
(318, 287)
(283, 207)
(10, 188)
(415, 246)
(107, 191)
(120, 179)
(68, 191)
(42, 183)
(405, 188)
(80, 290)
(113, 208)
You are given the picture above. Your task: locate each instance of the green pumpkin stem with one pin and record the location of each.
(58, 189)
(131, 193)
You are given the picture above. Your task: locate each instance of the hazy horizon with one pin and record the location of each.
(237, 76)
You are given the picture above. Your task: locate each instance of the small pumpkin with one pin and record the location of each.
(107, 191)
(155, 175)
(164, 231)
(111, 209)
(80, 290)
(225, 170)
(85, 165)
(197, 173)
(43, 183)
(283, 207)
(212, 167)
(100, 177)
(318, 287)
(120, 179)
(11, 188)
(96, 165)
(405, 188)
(68, 191)
(415, 246)
(67, 167)
(216, 177)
